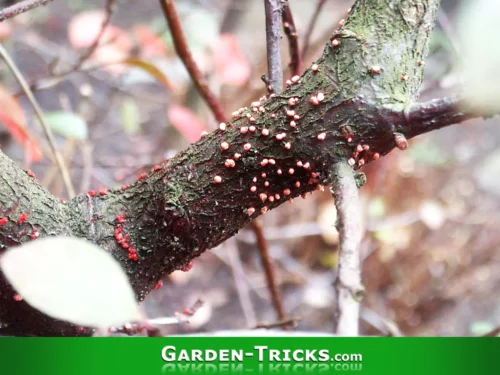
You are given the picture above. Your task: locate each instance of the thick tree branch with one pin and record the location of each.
(348, 287)
(21, 7)
(346, 106)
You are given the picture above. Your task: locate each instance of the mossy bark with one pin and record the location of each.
(178, 211)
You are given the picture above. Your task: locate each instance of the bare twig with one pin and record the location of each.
(182, 50)
(273, 21)
(293, 39)
(39, 113)
(269, 269)
(420, 118)
(310, 27)
(81, 60)
(241, 285)
(348, 283)
(21, 7)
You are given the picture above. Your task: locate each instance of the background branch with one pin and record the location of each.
(273, 38)
(349, 290)
(182, 49)
(39, 114)
(20, 7)
(293, 39)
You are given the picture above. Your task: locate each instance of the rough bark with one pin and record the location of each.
(178, 210)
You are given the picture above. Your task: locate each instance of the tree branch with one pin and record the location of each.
(21, 7)
(349, 290)
(273, 37)
(311, 26)
(420, 118)
(182, 50)
(293, 39)
(39, 114)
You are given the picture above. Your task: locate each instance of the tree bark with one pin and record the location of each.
(369, 73)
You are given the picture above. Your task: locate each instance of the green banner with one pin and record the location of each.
(265, 355)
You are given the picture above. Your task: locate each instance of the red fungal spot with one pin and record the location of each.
(321, 136)
(224, 145)
(3, 221)
(22, 218)
(217, 179)
(103, 191)
(187, 267)
(120, 218)
(250, 211)
(142, 176)
(253, 189)
(91, 193)
(17, 298)
(263, 210)
(156, 168)
(288, 146)
(263, 197)
(30, 173)
(35, 234)
(159, 284)
(125, 187)
(376, 156)
(287, 192)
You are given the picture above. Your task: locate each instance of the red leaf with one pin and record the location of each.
(186, 122)
(150, 43)
(13, 119)
(231, 64)
(115, 44)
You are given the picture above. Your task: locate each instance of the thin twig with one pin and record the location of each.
(293, 39)
(273, 21)
(420, 118)
(267, 264)
(182, 50)
(349, 290)
(240, 284)
(81, 60)
(39, 113)
(21, 7)
(310, 27)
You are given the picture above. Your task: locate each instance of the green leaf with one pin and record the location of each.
(71, 279)
(67, 124)
(131, 116)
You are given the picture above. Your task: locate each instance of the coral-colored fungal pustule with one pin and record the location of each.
(3, 221)
(187, 267)
(217, 179)
(22, 218)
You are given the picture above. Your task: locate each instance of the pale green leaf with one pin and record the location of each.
(71, 279)
(131, 116)
(67, 124)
